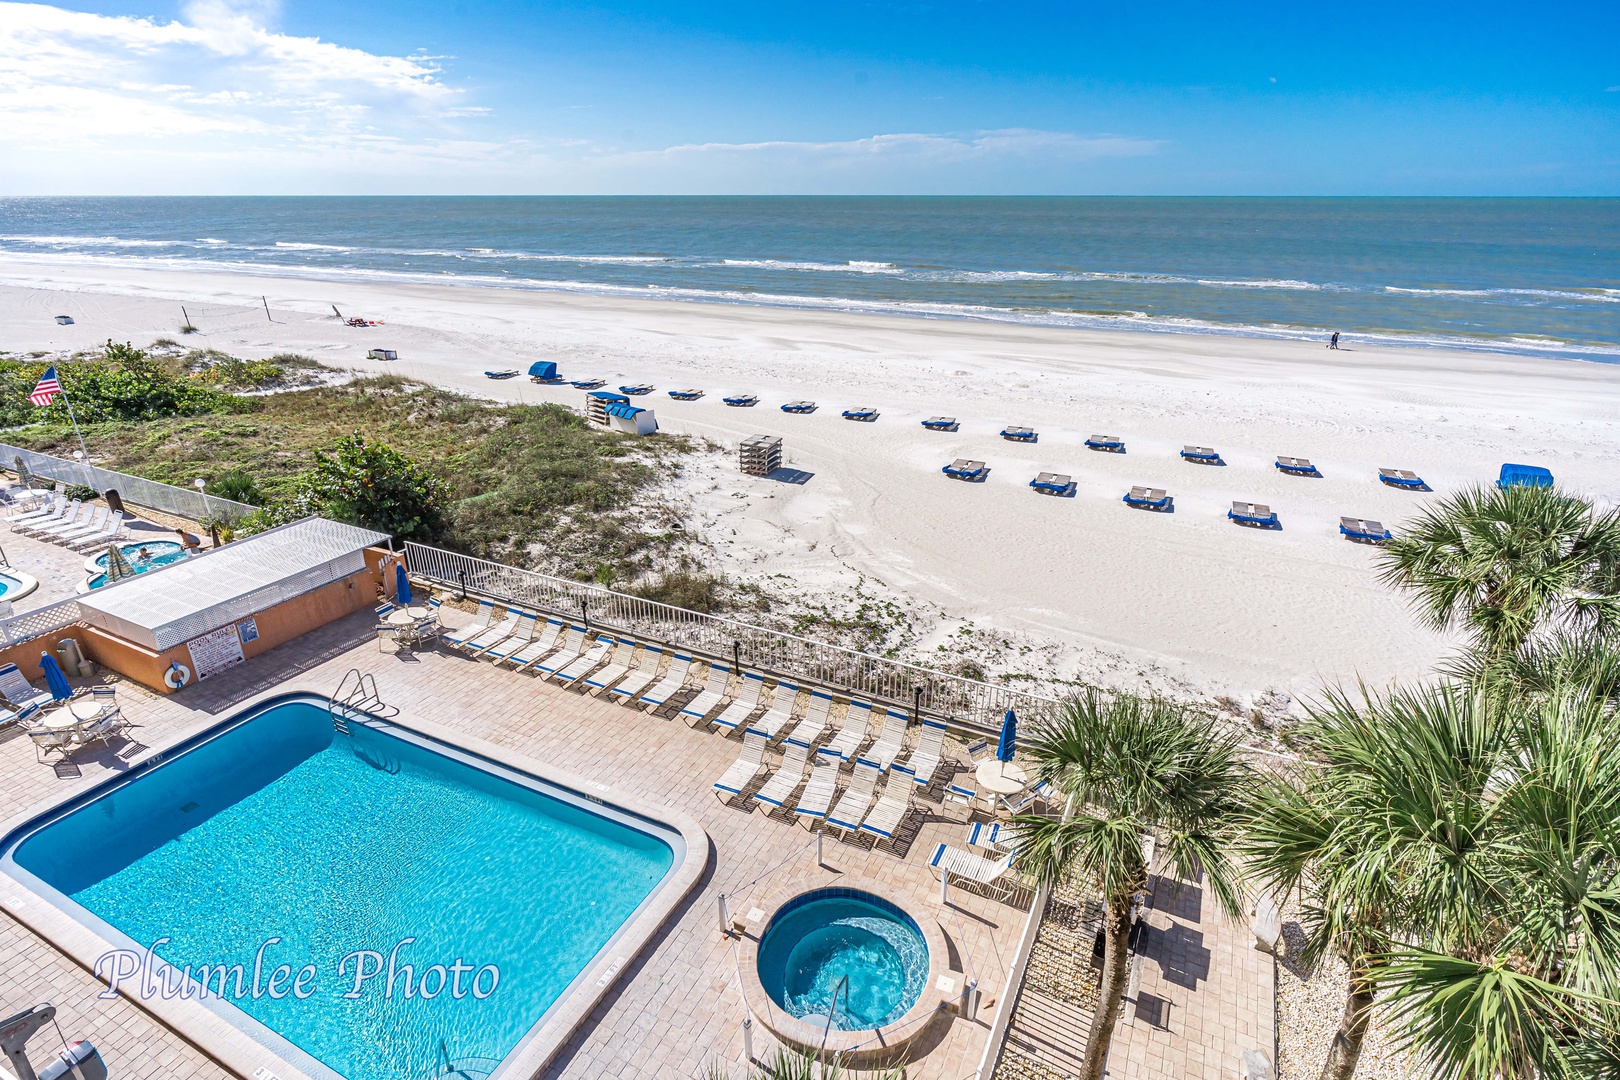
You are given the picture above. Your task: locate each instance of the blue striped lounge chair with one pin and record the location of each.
(986, 873)
(748, 765)
(965, 469)
(926, 755)
(743, 705)
(1201, 455)
(892, 806)
(713, 690)
(638, 679)
(1364, 530)
(786, 779)
(1256, 515)
(818, 793)
(671, 684)
(1111, 443)
(541, 645)
(520, 636)
(857, 798)
(940, 423)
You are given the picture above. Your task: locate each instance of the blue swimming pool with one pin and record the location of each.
(277, 839)
(9, 585)
(819, 940)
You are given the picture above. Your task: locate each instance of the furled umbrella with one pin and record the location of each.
(402, 586)
(1009, 737)
(60, 690)
(118, 567)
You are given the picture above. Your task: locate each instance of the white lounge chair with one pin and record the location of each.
(589, 661)
(112, 530)
(713, 691)
(926, 755)
(787, 777)
(984, 872)
(745, 768)
(890, 741)
(891, 809)
(853, 735)
(675, 678)
(15, 688)
(639, 678)
(496, 634)
(819, 792)
(744, 704)
(480, 623)
(51, 505)
(570, 647)
(67, 514)
(783, 701)
(857, 797)
(623, 662)
(521, 636)
(808, 730)
(538, 646)
(92, 522)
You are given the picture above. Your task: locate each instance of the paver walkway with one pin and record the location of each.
(679, 1008)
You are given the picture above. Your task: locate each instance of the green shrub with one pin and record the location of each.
(236, 485)
(374, 485)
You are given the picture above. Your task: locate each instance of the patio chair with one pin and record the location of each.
(744, 704)
(623, 662)
(54, 510)
(680, 666)
(50, 506)
(570, 647)
(787, 777)
(113, 530)
(45, 741)
(926, 755)
(783, 701)
(480, 623)
(385, 630)
(68, 513)
(818, 792)
(15, 688)
(587, 661)
(892, 806)
(852, 736)
(986, 873)
(638, 679)
(540, 646)
(520, 637)
(82, 514)
(91, 522)
(1020, 801)
(808, 730)
(713, 691)
(979, 751)
(108, 723)
(956, 795)
(890, 740)
(748, 765)
(857, 798)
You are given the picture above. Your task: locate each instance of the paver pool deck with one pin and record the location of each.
(677, 1008)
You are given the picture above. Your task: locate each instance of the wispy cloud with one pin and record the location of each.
(942, 148)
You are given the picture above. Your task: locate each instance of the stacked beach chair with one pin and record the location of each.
(760, 455)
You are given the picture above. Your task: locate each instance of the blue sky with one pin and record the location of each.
(237, 96)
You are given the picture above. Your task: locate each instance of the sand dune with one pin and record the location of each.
(1221, 607)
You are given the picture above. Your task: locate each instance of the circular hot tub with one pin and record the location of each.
(849, 970)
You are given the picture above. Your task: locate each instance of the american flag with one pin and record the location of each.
(47, 389)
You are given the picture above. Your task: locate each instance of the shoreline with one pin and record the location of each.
(1096, 591)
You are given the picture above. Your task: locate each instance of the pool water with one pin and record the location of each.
(8, 584)
(281, 827)
(817, 941)
(158, 553)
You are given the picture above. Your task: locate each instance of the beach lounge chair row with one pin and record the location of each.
(73, 523)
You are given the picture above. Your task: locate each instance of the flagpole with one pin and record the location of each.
(75, 422)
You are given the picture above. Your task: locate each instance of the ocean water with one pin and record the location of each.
(281, 829)
(1537, 276)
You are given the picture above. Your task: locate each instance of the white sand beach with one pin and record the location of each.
(1185, 598)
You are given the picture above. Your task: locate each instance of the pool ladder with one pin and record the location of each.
(357, 693)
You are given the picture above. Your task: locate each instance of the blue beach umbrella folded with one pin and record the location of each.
(1009, 737)
(60, 690)
(402, 586)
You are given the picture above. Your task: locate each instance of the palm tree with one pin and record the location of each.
(1456, 846)
(1133, 769)
(1505, 562)
(797, 1065)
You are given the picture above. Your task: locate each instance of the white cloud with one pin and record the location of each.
(916, 146)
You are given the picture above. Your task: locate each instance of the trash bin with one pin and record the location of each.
(75, 1061)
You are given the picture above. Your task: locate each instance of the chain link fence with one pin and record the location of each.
(182, 502)
(967, 702)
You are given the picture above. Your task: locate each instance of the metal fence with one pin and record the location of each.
(183, 502)
(31, 624)
(969, 702)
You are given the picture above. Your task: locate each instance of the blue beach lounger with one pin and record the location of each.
(636, 389)
(865, 413)
(741, 401)
(1257, 514)
(799, 407)
(544, 371)
(686, 395)
(1524, 476)
(588, 384)
(1404, 478)
(509, 373)
(1296, 466)
(1363, 529)
(1019, 434)
(940, 423)
(1048, 483)
(1112, 443)
(1201, 455)
(1147, 498)
(963, 469)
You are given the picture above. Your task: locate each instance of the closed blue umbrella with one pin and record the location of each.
(402, 586)
(60, 690)
(1009, 737)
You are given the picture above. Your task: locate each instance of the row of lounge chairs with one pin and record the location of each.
(74, 523)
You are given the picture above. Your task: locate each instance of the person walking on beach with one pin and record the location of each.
(1333, 342)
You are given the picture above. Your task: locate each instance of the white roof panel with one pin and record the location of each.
(175, 604)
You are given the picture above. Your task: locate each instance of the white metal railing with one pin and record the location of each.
(31, 624)
(185, 502)
(971, 703)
